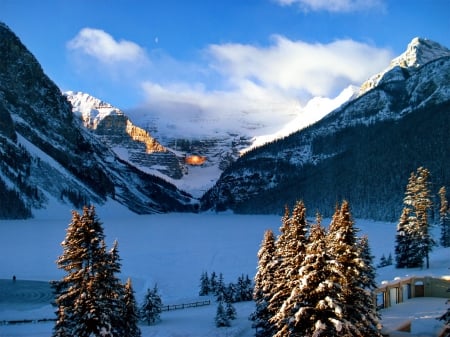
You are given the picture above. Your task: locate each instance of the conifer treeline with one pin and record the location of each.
(315, 282)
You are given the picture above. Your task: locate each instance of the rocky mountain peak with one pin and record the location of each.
(107, 120)
(419, 52)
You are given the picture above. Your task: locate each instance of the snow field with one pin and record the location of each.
(171, 250)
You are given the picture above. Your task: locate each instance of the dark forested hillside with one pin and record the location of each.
(363, 152)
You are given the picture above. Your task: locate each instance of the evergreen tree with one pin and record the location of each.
(264, 279)
(87, 296)
(389, 260)
(230, 311)
(417, 198)
(213, 282)
(313, 307)
(359, 314)
(403, 241)
(383, 261)
(230, 293)
(290, 250)
(220, 289)
(152, 306)
(368, 274)
(244, 289)
(204, 284)
(444, 218)
(221, 319)
(130, 312)
(110, 290)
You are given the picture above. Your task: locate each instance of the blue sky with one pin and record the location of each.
(198, 54)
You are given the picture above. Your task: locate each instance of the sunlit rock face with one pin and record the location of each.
(129, 141)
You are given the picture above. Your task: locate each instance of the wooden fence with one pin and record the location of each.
(185, 305)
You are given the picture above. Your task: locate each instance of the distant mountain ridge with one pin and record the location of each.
(363, 151)
(46, 153)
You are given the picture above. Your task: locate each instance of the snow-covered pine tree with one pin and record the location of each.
(244, 289)
(444, 218)
(221, 318)
(152, 306)
(418, 199)
(230, 293)
(81, 310)
(109, 288)
(204, 284)
(220, 289)
(213, 282)
(290, 251)
(368, 273)
(230, 310)
(130, 312)
(313, 307)
(264, 279)
(357, 304)
(403, 241)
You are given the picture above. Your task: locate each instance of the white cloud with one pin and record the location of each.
(192, 110)
(262, 88)
(300, 68)
(100, 45)
(334, 5)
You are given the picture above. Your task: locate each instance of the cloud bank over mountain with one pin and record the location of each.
(263, 82)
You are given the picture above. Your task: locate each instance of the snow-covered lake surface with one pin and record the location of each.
(172, 250)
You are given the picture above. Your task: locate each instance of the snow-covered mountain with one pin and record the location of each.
(47, 154)
(128, 141)
(192, 163)
(420, 51)
(363, 151)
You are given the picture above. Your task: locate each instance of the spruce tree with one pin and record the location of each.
(403, 241)
(204, 284)
(444, 218)
(152, 307)
(220, 289)
(213, 282)
(87, 296)
(221, 318)
(290, 252)
(359, 314)
(368, 273)
(417, 198)
(130, 312)
(230, 311)
(383, 261)
(264, 283)
(110, 290)
(313, 307)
